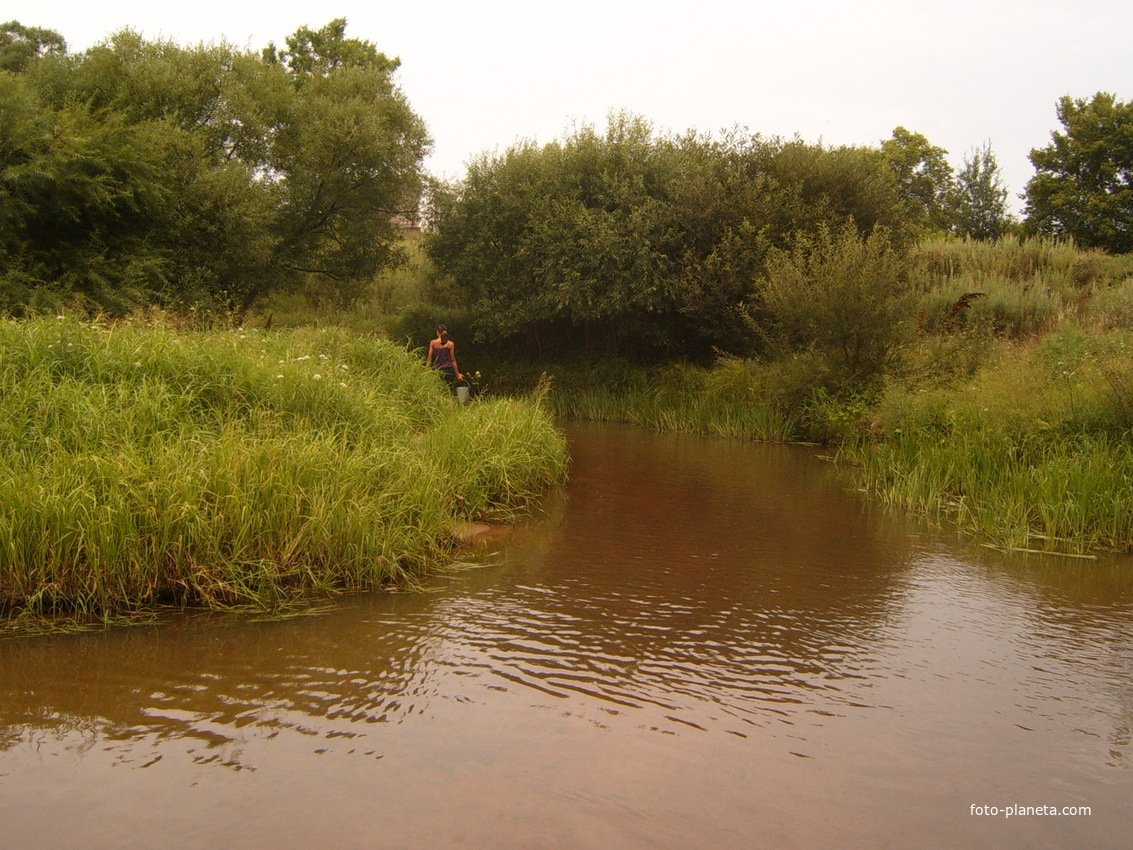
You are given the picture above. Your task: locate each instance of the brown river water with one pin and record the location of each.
(701, 644)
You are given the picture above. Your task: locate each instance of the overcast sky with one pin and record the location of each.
(484, 74)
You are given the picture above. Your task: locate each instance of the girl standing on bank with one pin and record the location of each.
(442, 355)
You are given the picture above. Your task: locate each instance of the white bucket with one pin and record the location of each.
(462, 393)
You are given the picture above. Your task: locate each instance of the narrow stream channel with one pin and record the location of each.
(701, 644)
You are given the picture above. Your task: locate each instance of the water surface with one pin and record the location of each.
(703, 643)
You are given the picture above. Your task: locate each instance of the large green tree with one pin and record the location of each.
(924, 175)
(574, 240)
(1083, 185)
(20, 45)
(143, 170)
(628, 240)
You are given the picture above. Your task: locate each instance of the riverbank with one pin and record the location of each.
(1032, 450)
(142, 466)
(1026, 443)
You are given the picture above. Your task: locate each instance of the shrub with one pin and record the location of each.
(843, 297)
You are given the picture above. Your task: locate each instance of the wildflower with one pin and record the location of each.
(279, 376)
(323, 357)
(344, 367)
(317, 376)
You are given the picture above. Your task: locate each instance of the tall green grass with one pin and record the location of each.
(142, 465)
(728, 400)
(1035, 445)
(1029, 286)
(1059, 262)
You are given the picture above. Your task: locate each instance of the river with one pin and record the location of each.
(700, 643)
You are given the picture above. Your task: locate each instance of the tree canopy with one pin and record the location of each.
(924, 176)
(634, 242)
(142, 170)
(20, 45)
(1083, 185)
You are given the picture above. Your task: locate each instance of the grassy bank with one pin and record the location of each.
(139, 465)
(729, 400)
(1033, 448)
(1025, 442)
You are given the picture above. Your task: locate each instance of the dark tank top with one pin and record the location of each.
(442, 358)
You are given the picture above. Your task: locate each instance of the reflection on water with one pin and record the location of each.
(702, 643)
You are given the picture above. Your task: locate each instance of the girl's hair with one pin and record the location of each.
(442, 330)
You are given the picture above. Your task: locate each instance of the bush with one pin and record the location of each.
(844, 298)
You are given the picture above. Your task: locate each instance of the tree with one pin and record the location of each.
(978, 205)
(924, 175)
(573, 242)
(632, 242)
(206, 173)
(318, 53)
(348, 148)
(74, 186)
(20, 45)
(1083, 185)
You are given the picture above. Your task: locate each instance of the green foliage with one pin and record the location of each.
(633, 243)
(73, 191)
(977, 206)
(1058, 261)
(924, 177)
(1111, 307)
(141, 465)
(728, 400)
(579, 235)
(1016, 287)
(20, 45)
(1003, 308)
(318, 53)
(1083, 185)
(1033, 446)
(844, 297)
(142, 171)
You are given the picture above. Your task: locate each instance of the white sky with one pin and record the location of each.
(484, 74)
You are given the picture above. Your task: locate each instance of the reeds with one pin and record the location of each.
(729, 400)
(141, 465)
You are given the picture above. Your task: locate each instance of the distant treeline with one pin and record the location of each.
(626, 242)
